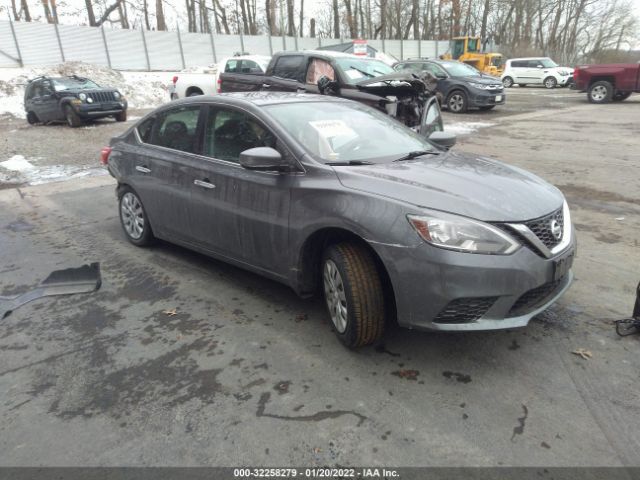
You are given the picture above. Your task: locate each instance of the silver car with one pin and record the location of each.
(331, 196)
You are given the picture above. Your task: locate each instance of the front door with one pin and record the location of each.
(241, 214)
(288, 74)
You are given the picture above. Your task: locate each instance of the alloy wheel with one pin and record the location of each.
(550, 82)
(132, 215)
(507, 82)
(335, 296)
(456, 103)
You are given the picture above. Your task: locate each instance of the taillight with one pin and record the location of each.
(575, 73)
(175, 79)
(219, 90)
(104, 155)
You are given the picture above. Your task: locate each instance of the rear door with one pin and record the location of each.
(48, 103)
(288, 74)
(161, 173)
(241, 214)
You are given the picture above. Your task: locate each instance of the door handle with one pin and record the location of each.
(143, 169)
(204, 183)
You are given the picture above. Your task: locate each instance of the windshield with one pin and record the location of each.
(73, 83)
(357, 69)
(496, 61)
(548, 63)
(337, 132)
(459, 69)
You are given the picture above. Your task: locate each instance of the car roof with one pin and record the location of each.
(258, 99)
(527, 58)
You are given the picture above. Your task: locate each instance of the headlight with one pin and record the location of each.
(82, 96)
(116, 95)
(478, 85)
(462, 234)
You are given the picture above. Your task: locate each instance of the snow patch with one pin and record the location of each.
(19, 170)
(141, 89)
(465, 128)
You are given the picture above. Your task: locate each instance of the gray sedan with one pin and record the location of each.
(328, 195)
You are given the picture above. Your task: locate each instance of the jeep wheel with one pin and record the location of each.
(620, 96)
(457, 102)
(72, 117)
(121, 117)
(507, 82)
(353, 294)
(32, 118)
(600, 92)
(550, 82)
(133, 218)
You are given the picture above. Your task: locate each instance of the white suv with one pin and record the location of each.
(536, 71)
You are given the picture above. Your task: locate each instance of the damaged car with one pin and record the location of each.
(405, 96)
(333, 197)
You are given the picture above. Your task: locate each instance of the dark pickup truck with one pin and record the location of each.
(606, 83)
(408, 97)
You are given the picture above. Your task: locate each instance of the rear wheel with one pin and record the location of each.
(32, 118)
(507, 82)
(72, 117)
(600, 92)
(133, 218)
(550, 82)
(620, 96)
(457, 102)
(121, 117)
(353, 294)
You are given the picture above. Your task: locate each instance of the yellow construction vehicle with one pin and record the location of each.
(467, 50)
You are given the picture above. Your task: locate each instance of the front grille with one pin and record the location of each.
(99, 97)
(465, 310)
(541, 227)
(533, 298)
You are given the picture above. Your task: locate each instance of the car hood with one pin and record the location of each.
(459, 183)
(484, 79)
(392, 81)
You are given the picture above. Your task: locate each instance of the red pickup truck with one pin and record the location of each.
(606, 83)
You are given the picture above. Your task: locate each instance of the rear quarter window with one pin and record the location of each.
(290, 67)
(145, 128)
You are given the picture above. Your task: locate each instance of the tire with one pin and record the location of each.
(133, 218)
(507, 82)
(600, 92)
(457, 102)
(121, 117)
(620, 96)
(550, 82)
(73, 120)
(487, 107)
(353, 294)
(32, 118)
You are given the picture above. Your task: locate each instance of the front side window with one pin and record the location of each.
(319, 68)
(434, 69)
(176, 129)
(547, 63)
(230, 132)
(289, 67)
(337, 132)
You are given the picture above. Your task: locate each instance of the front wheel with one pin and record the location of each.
(550, 82)
(73, 120)
(32, 118)
(507, 82)
(600, 92)
(353, 294)
(457, 102)
(620, 96)
(133, 218)
(121, 117)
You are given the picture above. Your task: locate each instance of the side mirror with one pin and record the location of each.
(325, 85)
(263, 159)
(445, 140)
(441, 75)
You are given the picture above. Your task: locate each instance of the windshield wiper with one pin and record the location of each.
(416, 154)
(362, 71)
(349, 163)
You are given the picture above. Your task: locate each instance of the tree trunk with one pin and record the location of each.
(90, 14)
(352, 22)
(336, 20)
(160, 23)
(302, 18)
(124, 20)
(485, 17)
(47, 11)
(145, 11)
(291, 27)
(245, 22)
(312, 28)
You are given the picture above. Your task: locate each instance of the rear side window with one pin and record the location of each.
(249, 66)
(518, 64)
(144, 129)
(231, 66)
(176, 129)
(290, 67)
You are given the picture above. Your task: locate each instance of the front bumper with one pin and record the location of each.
(564, 81)
(486, 98)
(98, 110)
(437, 289)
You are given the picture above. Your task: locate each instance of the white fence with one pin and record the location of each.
(30, 43)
